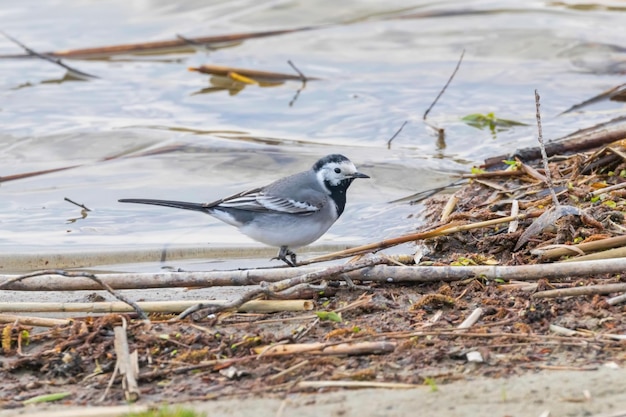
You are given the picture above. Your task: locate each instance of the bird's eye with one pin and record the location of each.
(337, 170)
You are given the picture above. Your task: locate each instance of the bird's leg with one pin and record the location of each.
(292, 256)
(282, 255)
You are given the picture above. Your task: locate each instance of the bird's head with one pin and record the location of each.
(336, 171)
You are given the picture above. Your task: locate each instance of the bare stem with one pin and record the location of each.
(544, 155)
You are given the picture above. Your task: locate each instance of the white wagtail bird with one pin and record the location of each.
(288, 213)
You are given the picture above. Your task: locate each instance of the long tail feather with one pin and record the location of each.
(167, 203)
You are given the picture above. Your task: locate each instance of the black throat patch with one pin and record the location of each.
(338, 193)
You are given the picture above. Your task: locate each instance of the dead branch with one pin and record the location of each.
(619, 299)
(608, 94)
(76, 73)
(33, 321)
(160, 47)
(74, 274)
(544, 155)
(593, 137)
(396, 134)
(440, 131)
(257, 306)
(578, 291)
(445, 87)
(596, 245)
(355, 384)
(606, 254)
(380, 273)
(77, 204)
(303, 78)
(448, 208)
(127, 365)
(440, 231)
(359, 348)
(108, 411)
(277, 287)
(14, 177)
(471, 319)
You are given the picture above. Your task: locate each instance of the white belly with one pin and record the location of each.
(292, 232)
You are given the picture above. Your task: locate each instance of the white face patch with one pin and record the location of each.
(335, 172)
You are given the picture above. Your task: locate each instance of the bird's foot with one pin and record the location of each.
(283, 253)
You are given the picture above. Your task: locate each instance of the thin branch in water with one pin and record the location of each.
(303, 78)
(77, 204)
(458, 65)
(602, 96)
(544, 155)
(295, 97)
(142, 315)
(193, 42)
(396, 134)
(72, 71)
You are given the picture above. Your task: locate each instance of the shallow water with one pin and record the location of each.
(380, 64)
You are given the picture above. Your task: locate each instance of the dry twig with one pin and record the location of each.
(354, 384)
(341, 349)
(445, 87)
(578, 291)
(73, 274)
(77, 204)
(72, 71)
(597, 245)
(379, 273)
(277, 287)
(396, 134)
(33, 321)
(471, 319)
(258, 306)
(440, 231)
(127, 365)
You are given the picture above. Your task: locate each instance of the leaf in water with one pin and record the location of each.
(490, 121)
(241, 78)
(46, 398)
(256, 75)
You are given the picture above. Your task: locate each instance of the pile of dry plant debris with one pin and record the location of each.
(507, 281)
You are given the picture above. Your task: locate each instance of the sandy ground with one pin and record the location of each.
(561, 393)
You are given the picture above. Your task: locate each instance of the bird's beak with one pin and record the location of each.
(359, 175)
